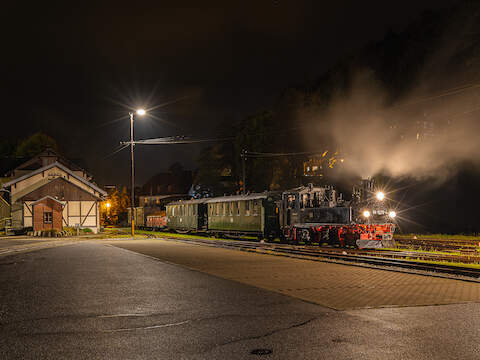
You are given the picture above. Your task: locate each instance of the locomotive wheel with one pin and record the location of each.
(325, 237)
(333, 237)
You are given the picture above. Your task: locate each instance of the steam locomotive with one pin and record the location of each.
(308, 214)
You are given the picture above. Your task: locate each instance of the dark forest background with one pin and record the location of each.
(398, 63)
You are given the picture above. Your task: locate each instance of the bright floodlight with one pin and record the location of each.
(141, 112)
(366, 213)
(380, 195)
(392, 214)
(108, 205)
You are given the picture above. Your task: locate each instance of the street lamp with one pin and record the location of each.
(140, 112)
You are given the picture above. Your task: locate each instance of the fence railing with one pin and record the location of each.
(6, 225)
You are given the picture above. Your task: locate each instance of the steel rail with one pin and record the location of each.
(348, 258)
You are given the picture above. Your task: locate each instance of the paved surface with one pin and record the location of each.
(13, 245)
(90, 301)
(332, 285)
(6, 242)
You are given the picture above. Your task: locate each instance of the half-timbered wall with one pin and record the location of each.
(83, 213)
(27, 214)
(79, 206)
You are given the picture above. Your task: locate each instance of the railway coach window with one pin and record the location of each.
(190, 210)
(256, 207)
(230, 208)
(247, 208)
(238, 207)
(291, 201)
(194, 210)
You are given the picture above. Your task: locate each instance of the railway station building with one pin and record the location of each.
(47, 192)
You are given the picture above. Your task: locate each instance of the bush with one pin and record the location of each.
(86, 230)
(70, 231)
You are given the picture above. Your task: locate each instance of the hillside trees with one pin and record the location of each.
(35, 144)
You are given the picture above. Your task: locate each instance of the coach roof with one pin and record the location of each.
(237, 198)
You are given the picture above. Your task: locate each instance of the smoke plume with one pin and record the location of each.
(426, 133)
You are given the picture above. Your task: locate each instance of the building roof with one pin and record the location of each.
(160, 197)
(47, 197)
(37, 162)
(60, 166)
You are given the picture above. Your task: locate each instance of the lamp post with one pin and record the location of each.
(140, 112)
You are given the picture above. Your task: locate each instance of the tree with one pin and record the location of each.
(7, 147)
(119, 203)
(35, 144)
(124, 200)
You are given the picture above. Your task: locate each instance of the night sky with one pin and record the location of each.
(72, 71)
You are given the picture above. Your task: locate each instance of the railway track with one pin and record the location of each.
(448, 245)
(384, 259)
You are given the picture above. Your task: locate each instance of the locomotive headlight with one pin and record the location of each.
(380, 195)
(392, 214)
(366, 213)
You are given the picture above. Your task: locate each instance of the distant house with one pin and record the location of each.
(160, 190)
(169, 183)
(44, 190)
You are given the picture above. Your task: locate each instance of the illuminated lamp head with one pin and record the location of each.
(366, 213)
(380, 195)
(392, 214)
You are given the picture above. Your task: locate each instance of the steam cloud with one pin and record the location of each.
(418, 137)
(425, 134)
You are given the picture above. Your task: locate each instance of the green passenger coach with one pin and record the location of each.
(188, 215)
(255, 214)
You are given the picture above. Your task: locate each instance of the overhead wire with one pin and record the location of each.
(120, 148)
(178, 140)
(253, 154)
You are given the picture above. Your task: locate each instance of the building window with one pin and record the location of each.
(47, 217)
